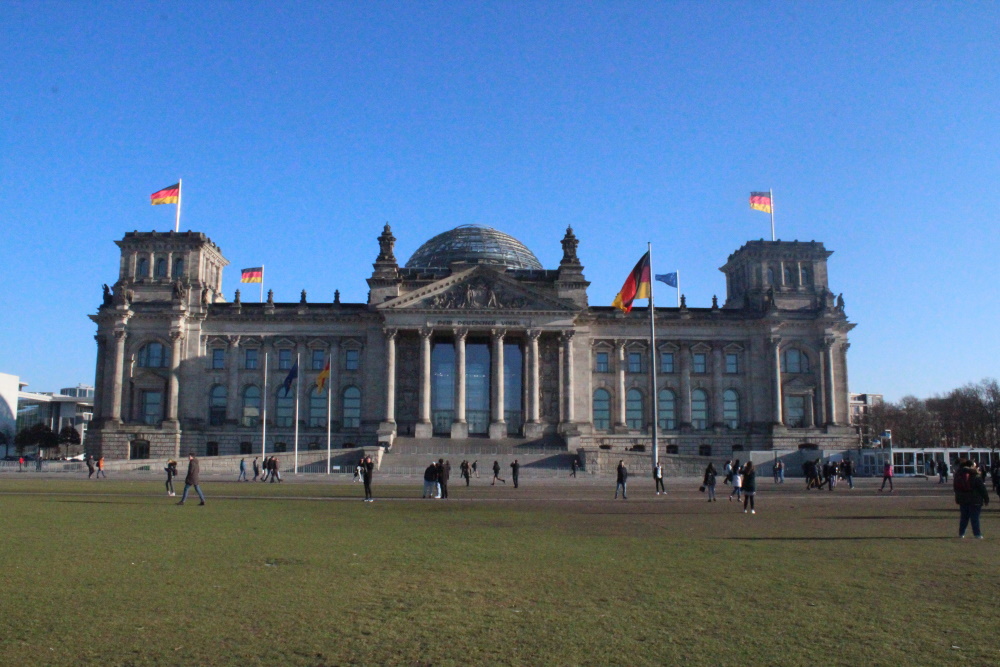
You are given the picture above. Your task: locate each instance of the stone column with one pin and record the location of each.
(99, 379)
(685, 397)
(176, 341)
(460, 426)
(620, 360)
(498, 426)
(424, 428)
(390, 376)
(234, 401)
(776, 384)
(821, 390)
(810, 416)
(533, 376)
(567, 339)
(118, 376)
(717, 388)
(831, 395)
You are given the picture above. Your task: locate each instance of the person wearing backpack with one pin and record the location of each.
(970, 495)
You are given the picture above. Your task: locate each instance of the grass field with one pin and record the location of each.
(113, 573)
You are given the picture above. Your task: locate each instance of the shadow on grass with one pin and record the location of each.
(831, 539)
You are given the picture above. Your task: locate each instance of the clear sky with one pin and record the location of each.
(301, 128)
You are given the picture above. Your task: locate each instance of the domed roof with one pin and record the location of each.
(474, 244)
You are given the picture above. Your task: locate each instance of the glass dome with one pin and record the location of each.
(474, 244)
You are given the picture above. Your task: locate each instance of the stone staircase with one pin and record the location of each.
(543, 457)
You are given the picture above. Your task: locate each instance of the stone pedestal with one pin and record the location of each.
(422, 430)
(533, 431)
(460, 430)
(498, 430)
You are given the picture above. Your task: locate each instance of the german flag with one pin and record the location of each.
(322, 378)
(254, 275)
(636, 286)
(760, 201)
(167, 195)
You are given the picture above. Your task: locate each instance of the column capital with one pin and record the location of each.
(460, 333)
(426, 332)
(566, 336)
(390, 333)
(119, 334)
(620, 344)
(775, 341)
(828, 342)
(497, 335)
(233, 341)
(533, 334)
(176, 335)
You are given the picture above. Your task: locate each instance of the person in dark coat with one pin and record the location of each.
(970, 495)
(90, 466)
(192, 479)
(444, 474)
(256, 469)
(496, 473)
(430, 480)
(622, 480)
(275, 475)
(573, 467)
(658, 477)
(749, 486)
(515, 467)
(171, 469)
(367, 469)
(466, 472)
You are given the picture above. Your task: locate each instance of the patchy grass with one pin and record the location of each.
(113, 573)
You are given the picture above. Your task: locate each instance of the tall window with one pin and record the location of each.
(795, 411)
(770, 276)
(352, 360)
(154, 355)
(138, 449)
(667, 405)
(317, 407)
(794, 361)
(732, 363)
(634, 362)
(179, 267)
(250, 359)
(731, 408)
(161, 268)
(602, 362)
(806, 276)
(789, 276)
(699, 409)
(151, 404)
(352, 408)
(318, 359)
(602, 409)
(666, 362)
(217, 405)
(251, 406)
(633, 409)
(142, 268)
(284, 409)
(284, 360)
(218, 357)
(699, 362)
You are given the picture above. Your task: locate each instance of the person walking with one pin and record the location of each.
(465, 472)
(243, 471)
(443, 476)
(709, 482)
(942, 470)
(256, 469)
(100, 469)
(430, 480)
(368, 469)
(573, 467)
(193, 478)
(475, 468)
(171, 469)
(90, 466)
(848, 470)
(658, 476)
(20, 463)
(622, 480)
(728, 471)
(781, 472)
(970, 496)
(749, 486)
(737, 482)
(886, 476)
(515, 467)
(275, 474)
(496, 473)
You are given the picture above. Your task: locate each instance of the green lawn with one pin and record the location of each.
(113, 573)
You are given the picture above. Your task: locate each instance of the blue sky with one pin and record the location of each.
(301, 128)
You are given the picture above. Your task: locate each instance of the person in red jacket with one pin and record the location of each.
(887, 476)
(970, 495)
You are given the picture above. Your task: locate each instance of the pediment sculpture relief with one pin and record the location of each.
(477, 293)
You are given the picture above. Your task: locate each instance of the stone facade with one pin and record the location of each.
(466, 349)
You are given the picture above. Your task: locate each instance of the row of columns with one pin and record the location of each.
(826, 386)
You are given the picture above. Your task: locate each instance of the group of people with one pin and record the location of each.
(269, 470)
(91, 466)
(743, 479)
(819, 473)
(436, 477)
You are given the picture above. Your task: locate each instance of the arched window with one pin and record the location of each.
(633, 409)
(667, 406)
(179, 267)
(699, 409)
(731, 408)
(217, 405)
(602, 409)
(352, 408)
(161, 268)
(251, 406)
(142, 268)
(789, 276)
(317, 407)
(284, 408)
(794, 361)
(770, 276)
(154, 355)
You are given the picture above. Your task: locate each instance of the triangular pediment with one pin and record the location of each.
(477, 289)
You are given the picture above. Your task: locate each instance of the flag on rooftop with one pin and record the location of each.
(167, 195)
(254, 275)
(636, 286)
(760, 201)
(668, 278)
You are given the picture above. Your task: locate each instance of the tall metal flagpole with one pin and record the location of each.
(180, 192)
(678, 288)
(297, 392)
(329, 406)
(652, 356)
(263, 420)
(262, 283)
(770, 193)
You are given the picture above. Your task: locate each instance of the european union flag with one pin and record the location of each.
(292, 374)
(668, 278)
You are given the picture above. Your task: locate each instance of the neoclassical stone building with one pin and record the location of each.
(471, 338)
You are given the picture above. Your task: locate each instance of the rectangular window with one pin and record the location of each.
(318, 359)
(602, 362)
(152, 407)
(211, 449)
(732, 363)
(352, 360)
(284, 360)
(218, 358)
(666, 362)
(250, 360)
(795, 411)
(700, 362)
(246, 448)
(634, 362)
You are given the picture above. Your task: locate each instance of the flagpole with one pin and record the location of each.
(329, 406)
(180, 191)
(652, 357)
(770, 193)
(297, 392)
(262, 283)
(678, 288)
(263, 421)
